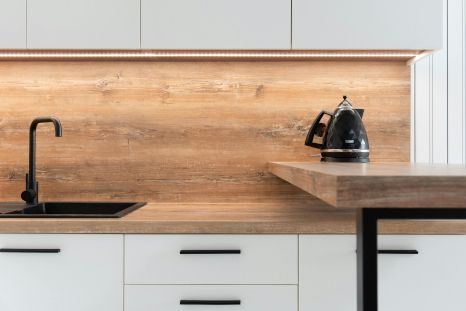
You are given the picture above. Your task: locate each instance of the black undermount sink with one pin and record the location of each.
(69, 209)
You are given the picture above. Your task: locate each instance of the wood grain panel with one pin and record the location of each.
(186, 131)
(359, 185)
(229, 218)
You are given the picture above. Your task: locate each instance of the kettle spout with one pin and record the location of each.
(360, 112)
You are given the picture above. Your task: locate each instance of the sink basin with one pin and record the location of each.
(70, 209)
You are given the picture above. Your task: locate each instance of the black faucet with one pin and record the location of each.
(31, 194)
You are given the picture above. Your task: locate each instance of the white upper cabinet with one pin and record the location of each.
(367, 24)
(216, 24)
(12, 24)
(83, 24)
(222, 24)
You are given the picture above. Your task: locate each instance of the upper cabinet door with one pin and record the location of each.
(83, 24)
(367, 24)
(12, 24)
(216, 24)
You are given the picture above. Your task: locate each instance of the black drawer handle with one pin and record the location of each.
(210, 302)
(209, 251)
(31, 250)
(398, 251)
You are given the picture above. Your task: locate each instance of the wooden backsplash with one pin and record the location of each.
(186, 131)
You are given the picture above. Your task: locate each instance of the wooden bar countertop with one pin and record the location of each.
(227, 218)
(360, 185)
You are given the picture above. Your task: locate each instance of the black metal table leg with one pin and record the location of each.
(367, 219)
(367, 260)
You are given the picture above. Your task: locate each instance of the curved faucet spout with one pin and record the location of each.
(56, 123)
(31, 194)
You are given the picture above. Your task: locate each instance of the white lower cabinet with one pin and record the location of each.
(57, 272)
(434, 279)
(78, 272)
(211, 297)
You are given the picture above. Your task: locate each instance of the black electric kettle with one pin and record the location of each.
(343, 137)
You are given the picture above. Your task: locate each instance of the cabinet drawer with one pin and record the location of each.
(211, 297)
(211, 259)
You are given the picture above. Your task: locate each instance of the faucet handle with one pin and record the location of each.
(28, 195)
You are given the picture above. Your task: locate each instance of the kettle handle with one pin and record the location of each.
(315, 129)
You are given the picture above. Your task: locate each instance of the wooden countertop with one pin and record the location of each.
(356, 185)
(228, 218)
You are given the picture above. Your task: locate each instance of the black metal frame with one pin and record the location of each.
(367, 219)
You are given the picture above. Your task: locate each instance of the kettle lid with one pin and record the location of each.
(345, 104)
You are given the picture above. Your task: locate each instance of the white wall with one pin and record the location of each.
(439, 94)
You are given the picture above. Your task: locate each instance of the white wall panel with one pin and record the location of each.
(455, 82)
(439, 95)
(439, 84)
(422, 110)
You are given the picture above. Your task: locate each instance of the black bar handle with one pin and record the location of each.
(209, 251)
(31, 250)
(210, 302)
(398, 251)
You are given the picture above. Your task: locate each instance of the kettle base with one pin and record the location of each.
(345, 160)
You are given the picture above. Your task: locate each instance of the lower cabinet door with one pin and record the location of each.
(60, 272)
(432, 280)
(327, 273)
(211, 297)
